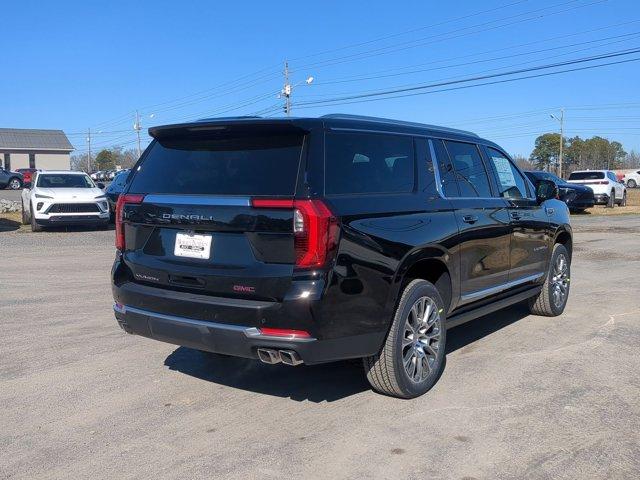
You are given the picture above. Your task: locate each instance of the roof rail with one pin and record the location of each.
(365, 118)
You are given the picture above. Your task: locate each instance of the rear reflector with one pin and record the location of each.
(122, 200)
(315, 228)
(284, 332)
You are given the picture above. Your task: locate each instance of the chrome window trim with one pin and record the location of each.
(209, 200)
(470, 297)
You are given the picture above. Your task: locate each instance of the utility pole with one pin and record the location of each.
(286, 90)
(561, 139)
(89, 150)
(561, 120)
(137, 127)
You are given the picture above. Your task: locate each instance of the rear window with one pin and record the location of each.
(222, 166)
(586, 176)
(368, 163)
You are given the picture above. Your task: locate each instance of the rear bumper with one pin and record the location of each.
(237, 340)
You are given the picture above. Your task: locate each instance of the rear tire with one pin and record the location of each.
(632, 184)
(412, 357)
(612, 199)
(552, 299)
(15, 184)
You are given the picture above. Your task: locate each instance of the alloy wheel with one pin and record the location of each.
(560, 281)
(14, 184)
(421, 339)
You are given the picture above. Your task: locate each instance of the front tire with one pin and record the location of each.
(552, 299)
(412, 356)
(632, 184)
(34, 226)
(15, 184)
(25, 219)
(623, 202)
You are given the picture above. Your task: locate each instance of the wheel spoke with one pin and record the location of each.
(421, 339)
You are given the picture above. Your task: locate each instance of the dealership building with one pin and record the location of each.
(31, 148)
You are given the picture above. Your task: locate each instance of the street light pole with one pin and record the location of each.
(89, 150)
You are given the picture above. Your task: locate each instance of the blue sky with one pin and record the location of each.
(74, 65)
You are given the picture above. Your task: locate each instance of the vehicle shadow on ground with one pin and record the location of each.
(78, 228)
(7, 225)
(316, 383)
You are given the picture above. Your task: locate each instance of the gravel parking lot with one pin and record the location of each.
(521, 396)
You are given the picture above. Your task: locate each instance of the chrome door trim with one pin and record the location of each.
(487, 292)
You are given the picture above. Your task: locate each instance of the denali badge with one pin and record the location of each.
(193, 217)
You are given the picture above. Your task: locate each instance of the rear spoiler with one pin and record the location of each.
(236, 125)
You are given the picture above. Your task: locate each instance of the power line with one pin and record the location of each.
(453, 34)
(476, 78)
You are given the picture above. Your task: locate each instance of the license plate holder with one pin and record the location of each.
(193, 245)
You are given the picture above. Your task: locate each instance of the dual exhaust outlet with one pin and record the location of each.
(271, 356)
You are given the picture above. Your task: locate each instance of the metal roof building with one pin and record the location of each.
(31, 148)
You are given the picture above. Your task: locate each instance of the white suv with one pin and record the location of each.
(632, 179)
(607, 189)
(64, 198)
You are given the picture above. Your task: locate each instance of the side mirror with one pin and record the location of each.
(100, 185)
(546, 190)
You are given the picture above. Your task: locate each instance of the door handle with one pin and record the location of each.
(470, 219)
(549, 211)
(515, 215)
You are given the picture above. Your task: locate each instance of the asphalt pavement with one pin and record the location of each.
(521, 397)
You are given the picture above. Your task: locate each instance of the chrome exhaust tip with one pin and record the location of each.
(266, 355)
(289, 357)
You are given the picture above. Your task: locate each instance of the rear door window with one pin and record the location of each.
(586, 176)
(246, 165)
(471, 175)
(358, 163)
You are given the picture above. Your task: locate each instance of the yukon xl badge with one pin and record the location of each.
(148, 278)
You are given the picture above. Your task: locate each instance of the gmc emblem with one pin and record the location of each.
(244, 289)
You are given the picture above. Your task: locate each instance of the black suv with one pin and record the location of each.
(311, 240)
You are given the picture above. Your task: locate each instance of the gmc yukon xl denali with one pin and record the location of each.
(310, 240)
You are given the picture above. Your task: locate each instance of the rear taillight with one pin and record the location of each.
(122, 200)
(315, 229)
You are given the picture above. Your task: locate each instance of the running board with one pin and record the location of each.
(464, 317)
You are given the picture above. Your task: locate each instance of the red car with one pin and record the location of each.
(27, 173)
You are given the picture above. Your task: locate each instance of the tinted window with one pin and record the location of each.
(53, 180)
(368, 163)
(586, 176)
(445, 169)
(511, 183)
(470, 172)
(220, 166)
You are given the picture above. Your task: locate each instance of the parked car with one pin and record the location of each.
(64, 198)
(607, 189)
(11, 180)
(116, 187)
(95, 175)
(26, 174)
(312, 240)
(577, 197)
(631, 179)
